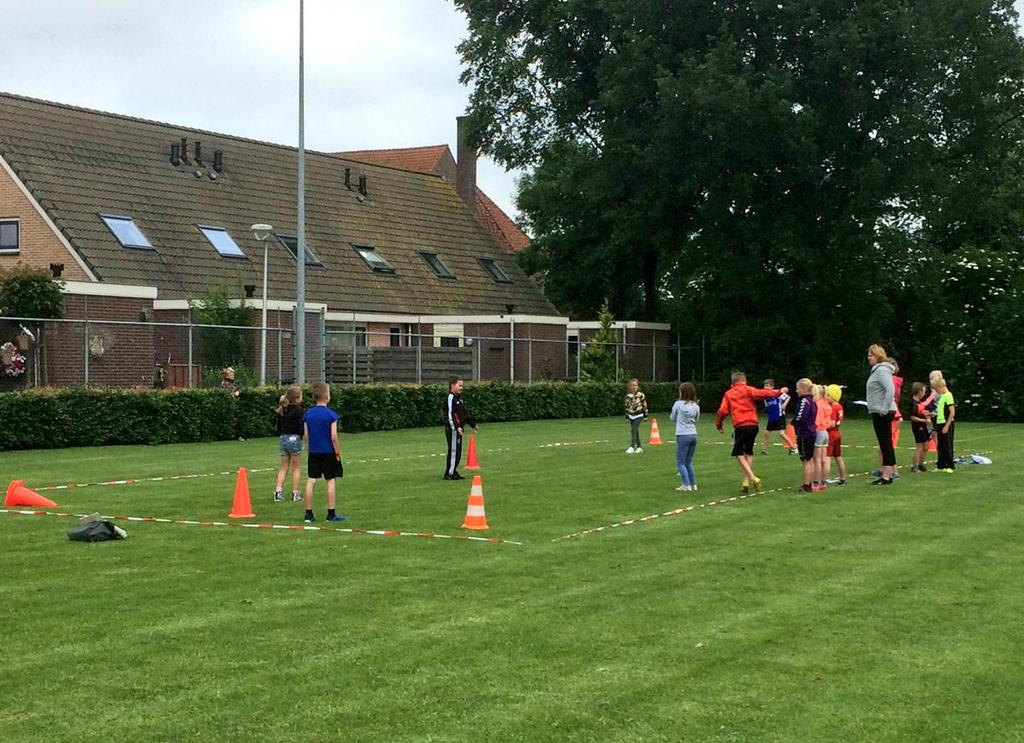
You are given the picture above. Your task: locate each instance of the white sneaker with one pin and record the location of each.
(631, 450)
(638, 450)
(684, 488)
(693, 487)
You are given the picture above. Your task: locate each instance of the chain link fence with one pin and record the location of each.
(149, 353)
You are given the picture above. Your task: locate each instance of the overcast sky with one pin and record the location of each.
(379, 74)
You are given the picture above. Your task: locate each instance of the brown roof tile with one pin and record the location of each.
(80, 164)
(438, 159)
(417, 159)
(499, 225)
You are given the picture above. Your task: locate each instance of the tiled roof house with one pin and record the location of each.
(139, 217)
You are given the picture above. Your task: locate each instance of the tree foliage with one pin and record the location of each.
(780, 177)
(598, 359)
(230, 344)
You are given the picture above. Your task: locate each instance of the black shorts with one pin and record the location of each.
(779, 424)
(326, 466)
(743, 440)
(920, 430)
(805, 445)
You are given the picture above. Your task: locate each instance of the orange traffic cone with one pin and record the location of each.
(19, 495)
(655, 435)
(790, 435)
(476, 518)
(471, 462)
(242, 507)
(931, 444)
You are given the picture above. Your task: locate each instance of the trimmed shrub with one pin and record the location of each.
(57, 418)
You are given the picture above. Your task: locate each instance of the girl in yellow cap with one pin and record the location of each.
(835, 436)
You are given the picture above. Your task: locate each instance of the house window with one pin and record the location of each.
(436, 265)
(395, 337)
(448, 336)
(574, 344)
(373, 259)
(9, 236)
(126, 231)
(291, 243)
(222, 242)
(494, 271)
(345, 337)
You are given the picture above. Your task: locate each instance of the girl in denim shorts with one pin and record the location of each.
(290, 430)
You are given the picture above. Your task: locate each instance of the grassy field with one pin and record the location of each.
(862, 613)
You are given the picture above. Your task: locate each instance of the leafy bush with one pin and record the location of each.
(30, 292)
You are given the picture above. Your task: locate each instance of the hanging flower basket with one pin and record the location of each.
(24, 342)
(12, 361)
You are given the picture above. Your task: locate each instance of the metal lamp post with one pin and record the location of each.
(262, 233)
(300, 271)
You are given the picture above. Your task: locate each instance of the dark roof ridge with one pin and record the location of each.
(342, 156)
(394, 149)
(178, 128)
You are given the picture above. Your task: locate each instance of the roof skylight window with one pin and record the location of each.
(436, 265)
(126, 231)
(494, 271)
(374, 259)
(222, 242)
(291, 243)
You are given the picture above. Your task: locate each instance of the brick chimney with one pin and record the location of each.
(465, 181)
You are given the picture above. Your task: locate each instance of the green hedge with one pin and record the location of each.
(56, 418)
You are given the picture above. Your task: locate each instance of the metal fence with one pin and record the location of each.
(359, 356)
(146, 353)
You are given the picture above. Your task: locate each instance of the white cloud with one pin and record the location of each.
(380, 74)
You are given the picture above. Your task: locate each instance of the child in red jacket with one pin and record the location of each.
(740, 403)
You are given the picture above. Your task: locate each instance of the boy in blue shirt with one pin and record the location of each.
(775, 407)
(320, 425)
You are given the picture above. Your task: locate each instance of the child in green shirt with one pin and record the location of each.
(945, 413)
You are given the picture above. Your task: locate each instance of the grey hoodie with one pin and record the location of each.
(881, 393)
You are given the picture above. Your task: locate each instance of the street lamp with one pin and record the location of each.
(262, 233)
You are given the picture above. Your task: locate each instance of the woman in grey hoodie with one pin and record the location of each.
(881, 399)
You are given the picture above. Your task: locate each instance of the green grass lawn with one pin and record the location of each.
(863, 613)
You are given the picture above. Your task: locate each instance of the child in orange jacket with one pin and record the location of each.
(740, 403)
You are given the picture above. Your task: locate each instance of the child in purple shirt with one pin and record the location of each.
(803, 425)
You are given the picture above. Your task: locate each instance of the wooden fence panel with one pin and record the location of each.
(338, 366)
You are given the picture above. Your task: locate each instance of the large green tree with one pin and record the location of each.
(771, 174)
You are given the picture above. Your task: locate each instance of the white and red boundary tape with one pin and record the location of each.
(257, 470)
(137, 480)
(284, 527)
(695, 507)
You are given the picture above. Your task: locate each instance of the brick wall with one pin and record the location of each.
(541, 359)
(39, 245)
(493, 350)
(378, 334)
(544, 358)
(119, 355)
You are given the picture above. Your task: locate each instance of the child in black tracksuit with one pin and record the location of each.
(456, 417)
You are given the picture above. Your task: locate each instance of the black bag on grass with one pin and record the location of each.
(94, 531)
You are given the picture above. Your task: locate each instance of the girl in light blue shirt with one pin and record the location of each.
(686, 413)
